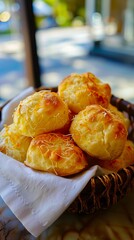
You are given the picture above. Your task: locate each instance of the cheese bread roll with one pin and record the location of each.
(55, 153)
(39, 113)
(124, 160)
(81, 90)
(13, 144)
(65, 129)
(115, 111)
(99, 132)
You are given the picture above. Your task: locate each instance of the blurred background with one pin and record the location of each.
(71, 36)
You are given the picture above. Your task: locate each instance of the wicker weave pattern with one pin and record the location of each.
(104, 191)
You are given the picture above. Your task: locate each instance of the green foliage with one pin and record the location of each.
(63, 16)
(51, 2)
(38, 21)
(66, 11)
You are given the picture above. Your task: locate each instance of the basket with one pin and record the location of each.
(101, 192)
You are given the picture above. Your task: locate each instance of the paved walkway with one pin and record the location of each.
(61, 51)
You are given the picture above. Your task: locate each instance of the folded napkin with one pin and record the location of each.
(36, 198)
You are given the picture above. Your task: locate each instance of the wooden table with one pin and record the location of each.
(115, 223)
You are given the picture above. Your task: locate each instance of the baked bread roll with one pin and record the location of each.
(81, 90)
(55, 153)
(115, 111)
(13, 144)
(39, 113)
(124, 160)
(99, 132)
(65, 129)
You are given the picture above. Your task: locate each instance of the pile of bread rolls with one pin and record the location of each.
(67, 131)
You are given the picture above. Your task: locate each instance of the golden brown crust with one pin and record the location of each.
(65, 129)
(119, 114)
(99, 132)
(55, 153)
(13, 144)
(81, 105)
(124, 160)
(41, 112)
(80, 90)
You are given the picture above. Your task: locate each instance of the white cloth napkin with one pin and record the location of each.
(37, 199)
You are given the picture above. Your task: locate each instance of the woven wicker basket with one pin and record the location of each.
(102, 192)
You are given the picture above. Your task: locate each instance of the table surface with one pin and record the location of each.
(116, 223)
